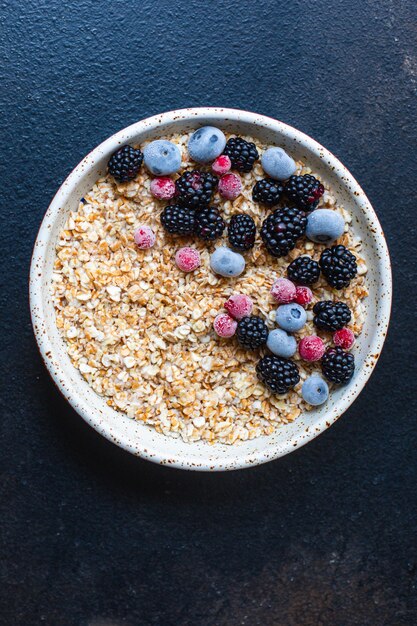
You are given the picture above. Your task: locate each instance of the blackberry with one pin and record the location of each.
(195, 188)
(337, 365)
(209, 224)
(268, 191)
(305, 191)
(178, 220)
(241, 153)
(252, 332)
(278, 374)
(281, 229)
(241, 232)
(330, 315)
(338, 265)
(303, 270)
(125, 163)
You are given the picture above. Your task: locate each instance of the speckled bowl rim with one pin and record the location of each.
(71, 393)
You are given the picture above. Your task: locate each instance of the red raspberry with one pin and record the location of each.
(163, 188)
(344, 338)
(224, 325)
(221, 165)
(187, 259)
(230, 186)
(239, 306)
(303, 295)
(311, 348)
(283, 291)
(144, 237)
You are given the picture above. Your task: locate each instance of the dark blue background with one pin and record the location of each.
(90, 535)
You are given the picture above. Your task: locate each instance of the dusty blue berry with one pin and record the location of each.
(324, 225)
(315, 390)
(281, 344)
(278, 164)
(206, 144)
(291, 317)
(225, 262)
(162, 157)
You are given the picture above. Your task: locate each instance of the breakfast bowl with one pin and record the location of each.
(134, 435)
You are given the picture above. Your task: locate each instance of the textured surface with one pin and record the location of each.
(93, 536)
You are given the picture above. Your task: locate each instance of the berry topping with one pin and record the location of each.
(252, 332)
(163, 188)
(209, 224)
(241, 232)
(315, 390)
(281, 343)
(283, 291)
(267, 191)
(278, 164)
(311, 348)
(338, 265)
(222, 165)
(206, 143)
(304, 270)
(344, 338)
(125, 163)
(305, 191)
(144, 237)
(178, 220)
(330, 315)
(195, 188)
(187, 259)
(224, 325)
(338, 366)
(291, 317)
(281, 230)
(303, 295)
(162, 157)
(242, 154)
(230, 186)
(239, 306)
(278, 374)
(227, 263)
(324, 226)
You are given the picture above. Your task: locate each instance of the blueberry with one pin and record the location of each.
(278, 164)
(206, 144)
(225, 262)
(324, 225)
(291, 317)
(315, 390)
(162, 157)
(281, 344)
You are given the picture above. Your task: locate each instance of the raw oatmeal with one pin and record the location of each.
(140, 331)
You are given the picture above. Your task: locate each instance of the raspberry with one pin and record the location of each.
(230, 186)
(311, 348)
(187, 259)
(239, 306)
(144, 237)
(224, 325)
(303, 295)
(344, 338)
(163, 188)
(283, 291)
(221, 165)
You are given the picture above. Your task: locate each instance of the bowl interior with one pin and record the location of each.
(139, 438)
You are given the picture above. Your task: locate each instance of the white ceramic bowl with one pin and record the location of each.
(138, 438)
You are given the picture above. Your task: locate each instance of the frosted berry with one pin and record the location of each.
(315, 390)
(162, 157)
(324, 226)
(291, 317)
(206, 143)
(227, 263)
(187, 259)
(311, 348)
(144, 237)
(303, 295)
(224, 325)
(283, 291)
(230, 186)
(163, 188)
(278, 164)
(222, 165)
(344, 338)
(239, 306)
(281, 343)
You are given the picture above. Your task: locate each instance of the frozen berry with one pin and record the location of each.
(162, 157)
(311, 348)
(163, 188)
(283, 291)
(303, 295)
(206, 143)
(227, 263)
(187, 259)
(315, 390)
(224, 325)
(324, 226)
(278, 164)
(291, 317)
(239, 306)
(230, 186)
(222, 165)
(144, 237)
(344, 338)
(281, 343)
